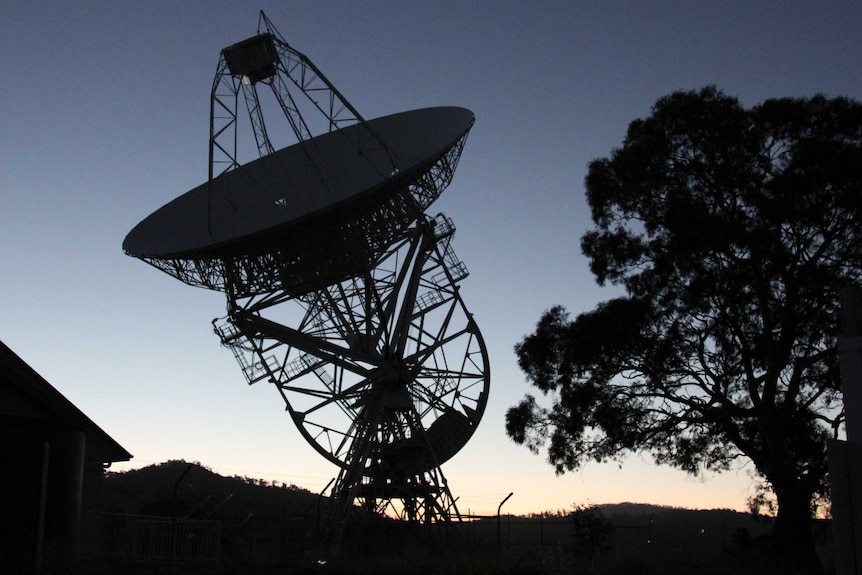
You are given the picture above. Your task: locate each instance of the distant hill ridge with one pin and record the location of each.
(201, 492)
(274, 515)
(195, 491)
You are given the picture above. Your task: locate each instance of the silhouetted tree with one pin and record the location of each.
(591, 531)
(732, 231)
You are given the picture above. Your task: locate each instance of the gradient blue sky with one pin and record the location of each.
(104, 117)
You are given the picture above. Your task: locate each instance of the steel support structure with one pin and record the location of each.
(385, 374)
(355, 316)
(295, 83)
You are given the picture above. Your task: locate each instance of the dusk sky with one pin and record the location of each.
(105, 117)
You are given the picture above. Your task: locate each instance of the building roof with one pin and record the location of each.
(27, 395)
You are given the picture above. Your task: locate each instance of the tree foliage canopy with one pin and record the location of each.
(732, 231)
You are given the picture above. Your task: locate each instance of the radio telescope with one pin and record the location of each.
(341, 290)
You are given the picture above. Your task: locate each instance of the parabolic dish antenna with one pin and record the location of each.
(341, 291)
(299, 207)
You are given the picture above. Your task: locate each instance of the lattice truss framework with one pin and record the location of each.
(420, 496)
(385, 373)
(300, 89)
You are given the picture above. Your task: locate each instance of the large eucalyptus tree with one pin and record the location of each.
(732, 231)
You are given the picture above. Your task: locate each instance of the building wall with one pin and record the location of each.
(40, 493)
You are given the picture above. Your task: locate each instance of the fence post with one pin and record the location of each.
(174, 513)
(499, 540)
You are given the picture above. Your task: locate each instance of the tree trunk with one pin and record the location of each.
(793, 538)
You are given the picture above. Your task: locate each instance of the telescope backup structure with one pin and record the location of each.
(383, 370)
